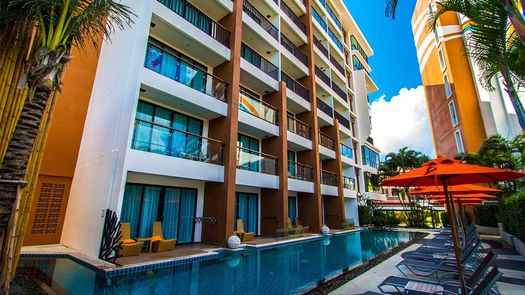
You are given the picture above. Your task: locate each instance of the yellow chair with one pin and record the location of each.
(306, 228)
(245, 236)
(159, 243)
(129, 247)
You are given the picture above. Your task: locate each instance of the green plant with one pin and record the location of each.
(444, 219)
(366, 214)
(486, 215)
(512, 214)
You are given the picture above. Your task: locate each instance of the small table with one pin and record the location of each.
(422, 288)
(146, 240)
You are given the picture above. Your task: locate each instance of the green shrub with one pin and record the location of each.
(366, 215)
(486, 215)
(512, 214)
(444, 219)
(385, 219)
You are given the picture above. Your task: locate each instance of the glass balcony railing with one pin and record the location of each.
(299, 128)
(296, 20)
(356, 46)
(334, 18)
(258, 108)
(342, 120)
(165, 140)
(295, 86)
(319, 73)
(326, 141)
(300, 171)
(286, 43)
(339, 92)
(256, 161)
(260, 62)
(349, 183)
(199, 19)
(260, 19)
(328, 178)
(319, 19)
(320, 46)
(347, 151)
(358, 65)
(370, 157)
(336, 40)
(325, 108)
(337, 65)
(160, 59)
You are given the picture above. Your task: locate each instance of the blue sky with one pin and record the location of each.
(394, 64)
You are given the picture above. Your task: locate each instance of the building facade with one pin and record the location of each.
(205, 112)
(462, 112)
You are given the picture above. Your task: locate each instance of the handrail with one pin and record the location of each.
(319, 73)
(257, 153)
(254, 14)
(320, 46)
(295, 86)
(185, 10)
(334, 17)
(328, 178)
(265, 65)
(254, 110)
(294, 49)
(175, 129)
(325, 108)
(326, 141)
(337, 65)
(339, 91)
(289, 12)
(355, 45)
(349, 182)
(301, 171)
(336, 40)
(319, 19)
(342, 120)
(307, 133)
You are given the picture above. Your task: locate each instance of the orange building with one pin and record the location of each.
(462, 113)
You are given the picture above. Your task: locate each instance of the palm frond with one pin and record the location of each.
(391, 7)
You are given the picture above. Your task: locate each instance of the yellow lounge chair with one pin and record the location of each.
(159, 243)
(129, 246)
(306, 228)
(245, 236)
(294, 230)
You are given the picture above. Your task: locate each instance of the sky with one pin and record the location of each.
(398, 109)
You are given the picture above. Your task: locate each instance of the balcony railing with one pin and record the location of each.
(319, 73)
(289, 12)
(299, 128)
(286, 43)
(254, 106)
(256, 161)
(336, 40)
(260, 62)
(300, 171)
(356, 46)
(160, 59)
(199, 19)
(319, 19)
(326, 141)
(320, 46)
(260, 19)
(342, 120)
(347, 151)
(334, 18)
(337, 65)
(349, 183)
(295, 86)
(339, 91)
(328, 178)
(165, 140)
(358, 65)
(325, 108)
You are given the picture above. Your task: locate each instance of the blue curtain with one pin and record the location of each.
(292, 208)
(247, 211)
(160, 137)
(131, 207)
(178, 140)
(141, 138)
(170, 214)
(187, 216)
(150, 207)
(252, 213)
(242, 209)
(193, 143)
(291, 164)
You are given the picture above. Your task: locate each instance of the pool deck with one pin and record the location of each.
(511, 264)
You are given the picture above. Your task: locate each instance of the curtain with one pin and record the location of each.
(178, 140)
(131, 207)
(160, 137)
(247, 210)
(292, 208)
(193, 143)
(170, 214)
(291, 164)
(187, 216)
(141, 138)
(252, 213)
(150, 205)
(242, 209)
(170, 66)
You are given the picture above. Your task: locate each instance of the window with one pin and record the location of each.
(448, 88)
(441, 58)
(246, 209)
(248, 153)
(459, 142)
(453, 114)
(292, 170)
(370, 157)
(292, 209)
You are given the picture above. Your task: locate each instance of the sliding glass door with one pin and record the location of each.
(174, 207)
(248, 153)
(247, 209)
(292, 208)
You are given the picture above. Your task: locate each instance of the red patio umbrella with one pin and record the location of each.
(454, 189)
(445, 172)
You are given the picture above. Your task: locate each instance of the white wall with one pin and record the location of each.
(351, 210)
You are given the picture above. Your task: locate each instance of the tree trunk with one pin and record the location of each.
(513, 94)
(516, 18)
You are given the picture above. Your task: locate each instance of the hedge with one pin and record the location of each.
(512, 214)
(486, 215)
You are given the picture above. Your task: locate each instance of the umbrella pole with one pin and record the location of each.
(463, 218)
(455, 237)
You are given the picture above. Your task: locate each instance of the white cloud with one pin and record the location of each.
(402, 121)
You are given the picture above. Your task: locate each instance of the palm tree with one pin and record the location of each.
(58, 26)
(391, 6)
(491, 43)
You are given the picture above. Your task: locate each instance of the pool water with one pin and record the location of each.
(280, 270)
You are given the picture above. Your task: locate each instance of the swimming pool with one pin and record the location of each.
(286, 269)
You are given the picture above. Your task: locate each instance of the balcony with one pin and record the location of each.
(299, 135)
(334, 17)
(326, 113)
(319, 20)
(343, 121)
(256, 116)
(293, 60)
(256, 169)
(336, 41)
(299, 96)
(172, 80)
(349, 187)
(300, 177)
(328, 183)
(347, 151)
(295, 19)
(323, 80)
(326, 146)
(184, 26)
(356, 46)
(340, 93)
(294, 50)
(260, 19)
(337, 65)
(163, 150)
(257, 72)
(321, 47)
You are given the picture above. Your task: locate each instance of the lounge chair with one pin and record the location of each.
(471, 281)
(129, 247)
(159, 243)
(484, 287)
(306, 228)
(244, 236)
(294, 230)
